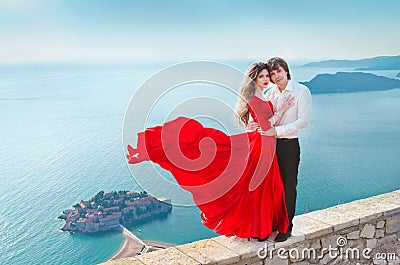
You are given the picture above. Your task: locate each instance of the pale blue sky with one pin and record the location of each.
(135, 31)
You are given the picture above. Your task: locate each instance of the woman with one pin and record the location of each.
(234, 180)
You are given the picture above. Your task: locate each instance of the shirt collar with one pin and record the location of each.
(289, 87)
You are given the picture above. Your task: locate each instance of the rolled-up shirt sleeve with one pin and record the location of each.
(303, 116)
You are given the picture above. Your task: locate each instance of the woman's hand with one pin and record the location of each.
(252, 126)
(270, 132)
(287, 103)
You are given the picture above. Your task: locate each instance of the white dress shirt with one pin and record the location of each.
(297, 116)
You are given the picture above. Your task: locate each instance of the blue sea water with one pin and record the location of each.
(61, 139)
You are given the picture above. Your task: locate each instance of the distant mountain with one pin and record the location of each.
(376, 63)
(350, 82)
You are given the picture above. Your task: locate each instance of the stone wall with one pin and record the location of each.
(361, 232)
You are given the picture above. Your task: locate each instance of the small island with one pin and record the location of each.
(343, 82)
(108, 211)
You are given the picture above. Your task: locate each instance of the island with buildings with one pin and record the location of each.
(109, 211)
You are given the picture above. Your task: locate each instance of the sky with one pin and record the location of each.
(99, 31)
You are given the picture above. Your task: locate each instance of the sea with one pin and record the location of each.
(61, 130)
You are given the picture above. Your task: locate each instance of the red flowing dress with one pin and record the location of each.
(234, 180)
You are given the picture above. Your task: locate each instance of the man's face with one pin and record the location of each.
(279, 77)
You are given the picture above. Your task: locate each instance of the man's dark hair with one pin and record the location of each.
(275, 62)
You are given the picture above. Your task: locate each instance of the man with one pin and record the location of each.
(287, 130)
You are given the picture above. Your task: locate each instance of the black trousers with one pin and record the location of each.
(288, 154)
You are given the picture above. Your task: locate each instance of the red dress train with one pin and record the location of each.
(234, 180)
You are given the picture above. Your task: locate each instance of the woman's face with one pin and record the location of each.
(262, 79)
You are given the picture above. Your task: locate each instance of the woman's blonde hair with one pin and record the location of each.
(247, 90)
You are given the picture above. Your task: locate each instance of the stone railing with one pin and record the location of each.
(366, 231)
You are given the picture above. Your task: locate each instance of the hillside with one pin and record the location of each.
(350, 82)
(376, 63)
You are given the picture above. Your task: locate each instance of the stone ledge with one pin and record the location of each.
(357, 220)
(208, 251)
(168, 256)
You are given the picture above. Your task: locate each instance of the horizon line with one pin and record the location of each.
(299, 61)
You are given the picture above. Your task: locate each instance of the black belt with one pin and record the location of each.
(285, 140)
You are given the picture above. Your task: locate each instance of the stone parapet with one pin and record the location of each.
(365, 231)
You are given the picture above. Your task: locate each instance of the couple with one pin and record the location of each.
(244, 184)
